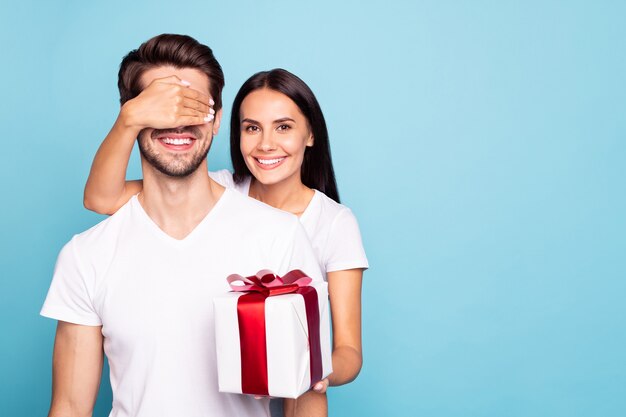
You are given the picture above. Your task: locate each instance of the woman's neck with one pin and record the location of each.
(293, 197)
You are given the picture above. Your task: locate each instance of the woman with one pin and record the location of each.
(281, 156)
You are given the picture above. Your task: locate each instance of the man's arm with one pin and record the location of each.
(76, 370)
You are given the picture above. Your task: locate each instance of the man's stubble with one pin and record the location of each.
(179, 166)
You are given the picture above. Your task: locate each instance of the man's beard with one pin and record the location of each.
(179, 166)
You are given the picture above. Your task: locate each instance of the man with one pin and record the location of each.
(140, 284)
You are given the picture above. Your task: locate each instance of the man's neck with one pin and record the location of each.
(178, 205)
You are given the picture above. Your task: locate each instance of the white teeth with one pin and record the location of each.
(270, 161)
(176, 141)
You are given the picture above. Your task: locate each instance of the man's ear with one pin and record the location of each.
(217, 121)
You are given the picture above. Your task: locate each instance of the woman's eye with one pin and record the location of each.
(251, 129)
(282, 128)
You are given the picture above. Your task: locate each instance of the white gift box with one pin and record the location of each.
(286, 339)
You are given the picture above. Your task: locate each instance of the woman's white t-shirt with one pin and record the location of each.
(332, 228)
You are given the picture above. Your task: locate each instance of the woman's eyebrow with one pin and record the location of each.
(281, 120)
(284, 119)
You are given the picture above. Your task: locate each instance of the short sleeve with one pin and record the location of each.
(344, 247)
(300, 255)
(71, 291)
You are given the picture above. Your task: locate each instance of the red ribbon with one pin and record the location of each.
(251, 317)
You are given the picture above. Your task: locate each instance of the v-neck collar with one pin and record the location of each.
(311, 206)
(203, 224)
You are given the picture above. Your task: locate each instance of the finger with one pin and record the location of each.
(195, 113)
(321, 390)
(197, 105)
(172, 79)
(197, 95)
(193, 120)
(321, 386)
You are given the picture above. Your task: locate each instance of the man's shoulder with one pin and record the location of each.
(105, 231)
(256, 210)
(260, 222)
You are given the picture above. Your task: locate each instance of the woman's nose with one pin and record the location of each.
(267, 143)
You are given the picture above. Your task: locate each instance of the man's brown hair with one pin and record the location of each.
(179, 51)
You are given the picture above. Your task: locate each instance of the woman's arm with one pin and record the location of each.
(309, 404)
(106, 189)
(166, 103)
(344, 289)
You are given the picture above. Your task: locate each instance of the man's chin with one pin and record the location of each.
(176, 168)
(176, 173)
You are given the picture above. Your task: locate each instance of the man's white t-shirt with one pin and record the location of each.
(152, 295)
(331, 227)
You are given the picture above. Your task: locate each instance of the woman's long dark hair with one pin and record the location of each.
(317, 167)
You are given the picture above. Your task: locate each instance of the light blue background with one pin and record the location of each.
(481, 145)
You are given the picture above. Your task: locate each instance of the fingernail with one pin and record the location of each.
(211, 102)
(186, 83)
(208, 118)
(211, 111)
(318, 386)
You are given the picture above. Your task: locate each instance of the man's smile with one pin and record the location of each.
(177, 143)
(177, 140)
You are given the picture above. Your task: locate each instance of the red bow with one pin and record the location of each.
(268, 283)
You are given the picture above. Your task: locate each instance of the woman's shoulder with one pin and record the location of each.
(331, 209)
(326, 217)
(224, 177)
(338, 233)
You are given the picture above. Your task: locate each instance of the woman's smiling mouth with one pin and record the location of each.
(269, 163)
